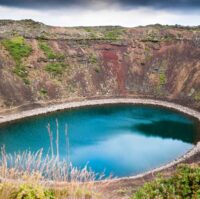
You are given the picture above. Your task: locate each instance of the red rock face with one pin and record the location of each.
(113, 61)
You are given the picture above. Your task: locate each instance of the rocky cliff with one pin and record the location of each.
(39, 63)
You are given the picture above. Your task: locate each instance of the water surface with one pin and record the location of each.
(122, 140)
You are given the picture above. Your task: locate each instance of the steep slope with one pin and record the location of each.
(39, 63)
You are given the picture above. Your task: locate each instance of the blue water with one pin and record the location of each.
(122, 140)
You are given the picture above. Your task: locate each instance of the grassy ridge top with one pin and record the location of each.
(32, 29)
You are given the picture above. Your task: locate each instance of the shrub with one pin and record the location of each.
(185, 183)
(27, 191)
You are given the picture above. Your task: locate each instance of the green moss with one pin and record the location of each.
(114, 34)
(47, 50)
(49, 53)
(93, 59)
(183, 184)
(21, 71)
(108, 33)
(92, 33)
(43, 92)
(55, 68)
(97, 69)
(18, 49)
(162, 79)
(88, 29)
(197, 96)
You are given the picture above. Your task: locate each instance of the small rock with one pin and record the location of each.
(42, 59)
(30, 66)
(191, 92)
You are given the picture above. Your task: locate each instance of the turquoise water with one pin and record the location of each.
(122, 140)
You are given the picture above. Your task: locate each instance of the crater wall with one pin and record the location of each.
(157, 62)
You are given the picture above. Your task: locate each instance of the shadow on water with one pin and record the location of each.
(186, 132)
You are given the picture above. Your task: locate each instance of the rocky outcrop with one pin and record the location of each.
(159, 62)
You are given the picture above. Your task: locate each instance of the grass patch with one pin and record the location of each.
(97, 69)
(37, 191)
(26, 191)
(92, 33)
(88, 29)
(18, 49)
(43, 92)
(49, 53)
(114, 34)
(93, 59)
(55, 68)
(110, 33)
(152, 36)
(162, 79)
(183, 184)
(197, 96)
(21, 71)
(157, 36)
(47, 50)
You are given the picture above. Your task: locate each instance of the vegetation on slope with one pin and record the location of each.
(55, 68)
(160, 62)
(185, 183)
(109, 33)
(113, 34)
(18, 49)
(24, 191)
(56, 64)
(36, 191)
(48, 51)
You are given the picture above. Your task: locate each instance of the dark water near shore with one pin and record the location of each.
(120, 139)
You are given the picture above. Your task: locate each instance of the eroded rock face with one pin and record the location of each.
(159, 62)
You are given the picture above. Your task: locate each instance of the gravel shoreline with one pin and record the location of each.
(69, 105)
